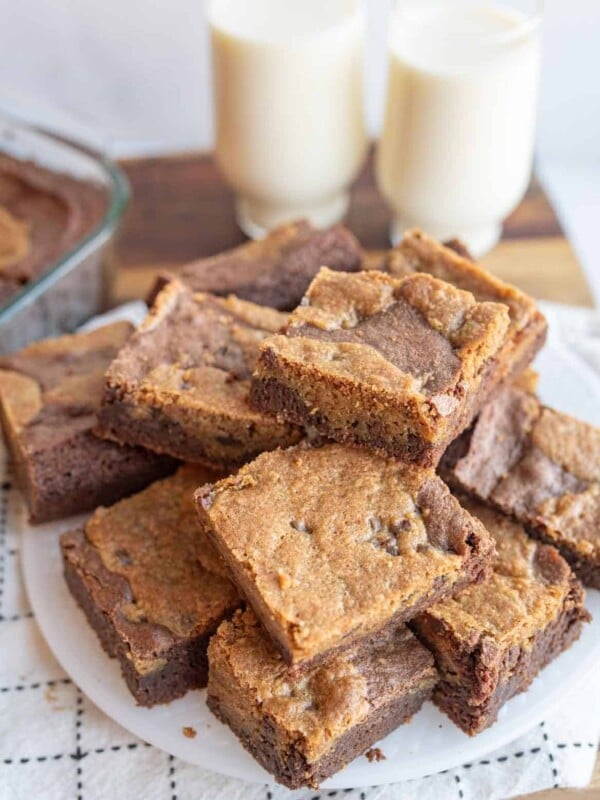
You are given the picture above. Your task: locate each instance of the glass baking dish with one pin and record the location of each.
(80, 283)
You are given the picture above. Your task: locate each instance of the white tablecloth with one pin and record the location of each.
(54, 744)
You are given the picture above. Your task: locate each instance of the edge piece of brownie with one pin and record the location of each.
(332, 544)
(451, 262)
(491, 639)
(180, 385)
(304, 728)
(540, 466)
(151, 586)
(400, 366)
(49, 395)
(274, 271)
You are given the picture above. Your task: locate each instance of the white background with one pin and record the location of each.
(138, 72)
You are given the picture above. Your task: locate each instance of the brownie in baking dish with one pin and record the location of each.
(43, 215)
(418, 252)
(151, 586)
(335, 543)
(304, 728)
(275, 271)
(49, 395)
(401, 366)
(540, 466)
(491, 639)
(180, 385)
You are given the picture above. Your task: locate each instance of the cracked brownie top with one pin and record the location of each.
(416, 350)
(424, 329)
(525, 592)
(325, 701)
(536, 463)
(153, 568)
(51, 389)
(333, 542)
(417, 252)
(196, 351)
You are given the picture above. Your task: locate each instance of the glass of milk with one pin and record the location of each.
(456, 150)
(288, 92)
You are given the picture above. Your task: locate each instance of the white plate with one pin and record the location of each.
(428, 744)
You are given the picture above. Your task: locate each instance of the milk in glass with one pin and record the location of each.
(456, 150)
(290, 131)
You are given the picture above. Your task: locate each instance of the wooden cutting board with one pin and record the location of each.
(181, 210)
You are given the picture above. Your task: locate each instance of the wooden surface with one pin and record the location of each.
(182, 210)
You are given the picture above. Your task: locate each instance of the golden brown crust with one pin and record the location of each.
(567, 441)
(525, 592)
(337, 301)
(152, 568)
(490, 641)
(187, 370)
(542, 467)
(21, 398)
(527, 380)
(330, 544)
(418, 252)
(49, 396)
(396, 365)
(51, 360)
(319, 706)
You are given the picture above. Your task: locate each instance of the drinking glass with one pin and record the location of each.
(456, 149)
(290, 129)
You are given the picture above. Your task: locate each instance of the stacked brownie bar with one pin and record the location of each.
(304, 728)
(400, 366)
(274, 271)
(331, 544)
(490, 640)
(180, 385)
(337, 547)
(310, 564)
(50, 393)
(151, 586)
(418, 253)
(539, 466)
(334, 548)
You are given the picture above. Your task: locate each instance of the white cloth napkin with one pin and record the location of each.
(54, 744)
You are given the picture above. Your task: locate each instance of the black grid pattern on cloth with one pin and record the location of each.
(542, 750)
(77, 755)
(5, 488)
(546, 750)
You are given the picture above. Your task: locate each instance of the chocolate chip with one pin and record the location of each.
(124, 557)
(299, 525)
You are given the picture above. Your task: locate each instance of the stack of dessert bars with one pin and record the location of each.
(374, 508)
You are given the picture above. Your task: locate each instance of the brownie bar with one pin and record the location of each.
(180, 385)
(401, 366)
(43, 215)
(540, 466)
(334, 543)
(304, 728)
(490, 640)
(49, 394)
(143, 574)
(417, 252)
(274, 271)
